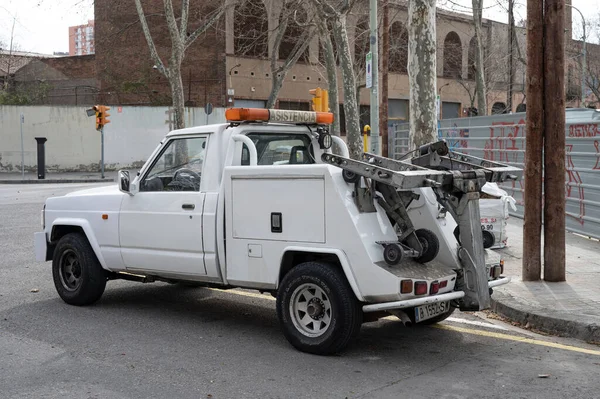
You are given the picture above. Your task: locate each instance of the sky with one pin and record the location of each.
(41, 26)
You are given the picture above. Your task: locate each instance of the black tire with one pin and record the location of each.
(430, 244)
(78, 277)
(350, 177)
(433, 320)
(488, 239)
(392, 254)
(342, 321)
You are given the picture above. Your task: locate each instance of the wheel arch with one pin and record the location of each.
(64, 226)
(293, 256)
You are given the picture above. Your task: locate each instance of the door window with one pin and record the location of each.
(178, 168)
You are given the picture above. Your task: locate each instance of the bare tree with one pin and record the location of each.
(296, 47)
(479, 62)
(422, 71)
(336, 12)
(7, 59)
(181, 39)
(331, 69)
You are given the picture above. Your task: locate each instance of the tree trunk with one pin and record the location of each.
(479, 60)
(511, 58)
(353, 137)
(385, 53)
(178, 97)
(276, 84)
(332, 86)
(422, 72)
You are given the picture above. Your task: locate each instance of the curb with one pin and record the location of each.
(556, 323)
(54, 181)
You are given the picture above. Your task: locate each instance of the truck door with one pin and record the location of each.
(160, 227)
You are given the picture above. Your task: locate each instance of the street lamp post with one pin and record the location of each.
(584, 61)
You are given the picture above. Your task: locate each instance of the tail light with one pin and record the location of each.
(434, 288)
(406, 286)
(420, 288)
(443, 284)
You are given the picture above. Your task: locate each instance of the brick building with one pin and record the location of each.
(234, 55)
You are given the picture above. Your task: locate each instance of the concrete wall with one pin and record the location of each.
(74, 144)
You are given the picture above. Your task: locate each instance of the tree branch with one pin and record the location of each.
(172, 25)
(204, 27)
(153, 53)
(185, 10)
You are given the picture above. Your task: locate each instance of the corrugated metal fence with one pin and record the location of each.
(502, 138)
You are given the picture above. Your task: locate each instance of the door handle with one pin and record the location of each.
(188, 206)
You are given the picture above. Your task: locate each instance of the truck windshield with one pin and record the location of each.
(280, 149)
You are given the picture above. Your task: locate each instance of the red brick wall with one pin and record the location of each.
(124, 66)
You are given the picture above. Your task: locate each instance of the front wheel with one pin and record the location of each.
(78, 276)
(317, 309)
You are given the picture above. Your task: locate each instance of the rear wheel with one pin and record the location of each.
(78, 276)
(317, 309)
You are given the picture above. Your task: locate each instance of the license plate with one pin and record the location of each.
(430, 310)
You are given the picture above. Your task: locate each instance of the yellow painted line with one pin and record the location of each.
(517, 339)
(453, 328)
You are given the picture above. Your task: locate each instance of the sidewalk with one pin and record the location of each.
(68, 177)
(570, 308)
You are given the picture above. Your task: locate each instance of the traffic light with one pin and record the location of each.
(96, 109)
(104, 115)
(101, 112)
(320, 101)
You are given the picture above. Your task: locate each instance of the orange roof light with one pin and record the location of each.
(278, 115)
(247, 114)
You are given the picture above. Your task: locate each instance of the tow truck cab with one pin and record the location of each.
(250, 204)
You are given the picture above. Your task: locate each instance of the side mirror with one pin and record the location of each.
(124, 181)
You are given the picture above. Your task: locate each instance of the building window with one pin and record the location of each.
(452, 56)
(251, 29)
(398, 48)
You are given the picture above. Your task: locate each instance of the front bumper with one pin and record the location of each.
(409, 303)
(40, 245)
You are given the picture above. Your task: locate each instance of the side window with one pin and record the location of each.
(280, 149)
(178, 168)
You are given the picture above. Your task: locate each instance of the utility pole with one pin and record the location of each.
(534, 148)
(554, 140)
(385, 57)
(375, 70)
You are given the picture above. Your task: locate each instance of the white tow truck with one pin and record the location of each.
(263, 202)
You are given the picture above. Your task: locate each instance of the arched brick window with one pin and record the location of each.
(251, 29)
(398, 48)
(452, 56)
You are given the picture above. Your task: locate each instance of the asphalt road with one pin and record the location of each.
(165, 341)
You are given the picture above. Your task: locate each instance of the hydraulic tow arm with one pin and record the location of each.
(456, 179)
